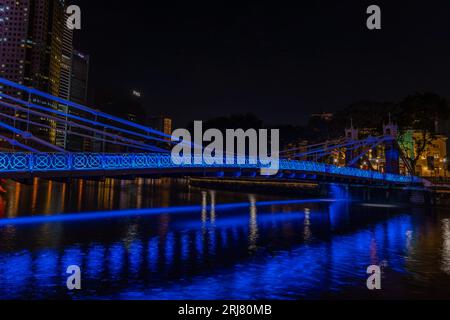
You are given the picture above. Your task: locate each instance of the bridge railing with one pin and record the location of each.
(21, 162)
(315, 167)
(46, 162)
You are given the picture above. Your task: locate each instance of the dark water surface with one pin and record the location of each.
(259, 249)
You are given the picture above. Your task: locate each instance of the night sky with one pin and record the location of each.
(281, 61)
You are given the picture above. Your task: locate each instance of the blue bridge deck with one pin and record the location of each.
(35, 164)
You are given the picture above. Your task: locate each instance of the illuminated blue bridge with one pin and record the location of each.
(84, 164)
(41, 136)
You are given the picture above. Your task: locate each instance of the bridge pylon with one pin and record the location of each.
(351, 135)
(392, 154)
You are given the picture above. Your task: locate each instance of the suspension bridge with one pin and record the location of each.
(43, 136)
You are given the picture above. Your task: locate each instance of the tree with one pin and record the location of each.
(420, 114)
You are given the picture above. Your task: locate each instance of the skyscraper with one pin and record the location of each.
(79, 93)
(35, 51)
(66, 64)
(79, 77)
(32, 42)
(14, 28)
(64, 83)
(161, 123)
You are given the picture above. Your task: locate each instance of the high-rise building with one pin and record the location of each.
(32, 42)
(47, 26)
(161, 123)
(64, 84)
(79, 78)
(66, 64)
(34, 50)
(14, 28)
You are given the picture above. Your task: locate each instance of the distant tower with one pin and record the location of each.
(352, 135)
(391, 151)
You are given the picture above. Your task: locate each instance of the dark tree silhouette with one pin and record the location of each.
(422, 113)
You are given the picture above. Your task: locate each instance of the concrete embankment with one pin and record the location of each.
(368, 193)
(255, 185)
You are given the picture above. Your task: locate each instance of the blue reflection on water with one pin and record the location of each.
(135, 256)
(15, 272)
(184, 246)
(46, 267)
(115, 259)
(153, 253)
(199, 244)
(251, 252)
(305, 272)
(95, 258)
(169, 248)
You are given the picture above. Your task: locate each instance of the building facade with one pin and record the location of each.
(35, 51)
(161, 123)
(433, 162)
(79, 79)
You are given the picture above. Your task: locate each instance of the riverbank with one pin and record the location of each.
(372, 193)
(255, 185)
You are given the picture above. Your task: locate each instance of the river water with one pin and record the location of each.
(161, 239)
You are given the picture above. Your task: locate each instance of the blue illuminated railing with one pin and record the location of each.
(48, 162)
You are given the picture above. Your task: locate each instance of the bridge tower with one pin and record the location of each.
(391, 151)
(352, 135)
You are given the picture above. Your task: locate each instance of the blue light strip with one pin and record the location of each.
(45, 162)
(17, 144)
(150, 148)
(29, 136)
(73, 124)
(11, 128)
(80, 107)
(86, 216)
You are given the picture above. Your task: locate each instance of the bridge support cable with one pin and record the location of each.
(114, 136)
(325, 150)
(82, 135)
(73, 124)
(362, 154)
(13, 143)
(308, 147)
(330, 151)
(355, 144)
(163, 137)
(80, 107)
(141, 147)
(328, 143)
(29, 136)
(75, 117)
(94, 122)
